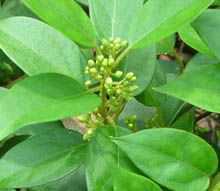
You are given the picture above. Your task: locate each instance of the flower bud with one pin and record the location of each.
(88, 83)
(134, 78)
(105, 62)
(118, 74)
(130, 75)
(117, 41)
(108, 81)
(104, 42)
(91, 63)
(111, 61)
(100, 58)
(133, 88)
(124, 43)
(93, 70)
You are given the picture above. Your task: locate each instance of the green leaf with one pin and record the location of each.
(84, 2)
(207, 26)
(66, 16)
(14, 8)
(196, 86)
(200, 60)
(101, 155)
(127, 181)
(142, 62)
(176, 159)
(186, 121)
(191, 37)
(142, 112)
(168, 108)
(160, 18)
(38, 48)
(103, 159)
(166, 45)
(72, 182)
(43, 98)
(3, 91)
(110, 17)
(41, 158)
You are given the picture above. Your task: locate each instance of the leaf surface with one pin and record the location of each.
(66, 16)
(43, 98)
(164, 154)
(37, 48)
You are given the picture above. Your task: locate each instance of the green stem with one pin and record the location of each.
(122, 55)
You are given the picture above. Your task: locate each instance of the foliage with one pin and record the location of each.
(99, 108)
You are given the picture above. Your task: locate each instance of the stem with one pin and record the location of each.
(104, 99)
(202, 116)
(122, 55)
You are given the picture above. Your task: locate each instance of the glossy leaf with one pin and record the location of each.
(196, 86)
(41, 158)
(14, 8)
(191, 37)
(165, 154)
(200, 60)
(103, 158)
(42, 98)
(66, 16)
(142, 62)
(160, 18)
(127, 181)
(47, 51)
(166, 45)
(143, 114)
(186, 121)
(72, 182)
(207, 26)
(168, 108)
(110, 17)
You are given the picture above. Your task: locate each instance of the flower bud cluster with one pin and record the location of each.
(115, 86)
(99, 69)
(122, 89)
(113, 46)
(131, 122)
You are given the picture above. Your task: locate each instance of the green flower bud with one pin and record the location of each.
(99, 77)
(117, 46)
(105, 42)
(91, 63)
(111, 61)
(134, 78)
(102, 47)
(105, 62)
(117, 41)
(118, 91)
(100, 58)
(118, 74)
(130, 75)
(130, 125)
(108, 81)
(133, 88)
(93, 70)
(124, 43)
(88, 83)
